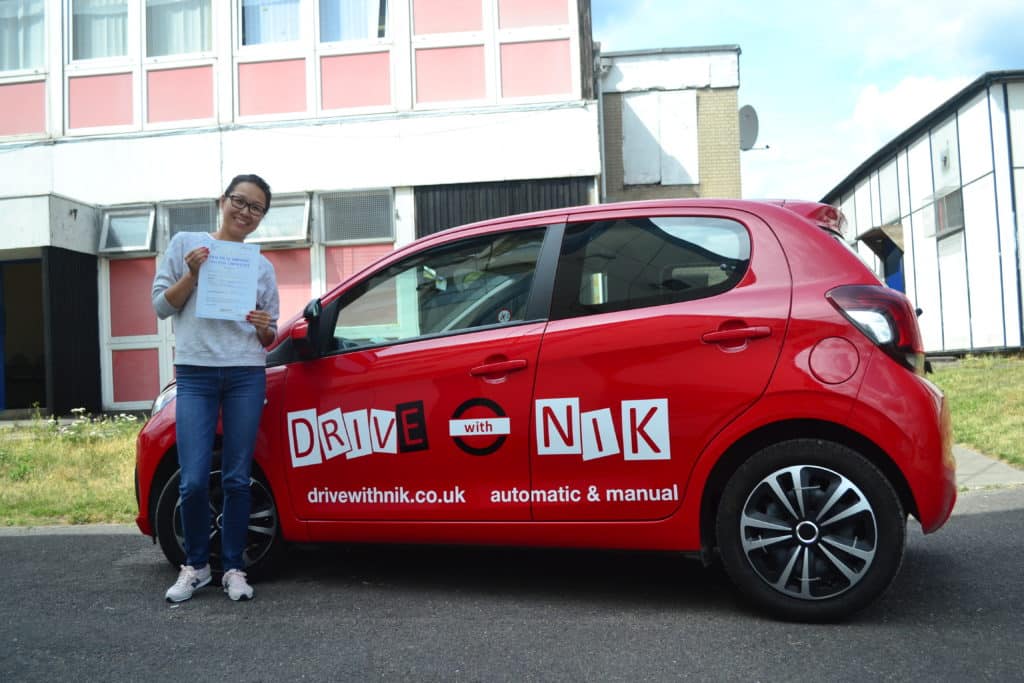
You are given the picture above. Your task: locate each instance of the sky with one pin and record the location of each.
(832, 82)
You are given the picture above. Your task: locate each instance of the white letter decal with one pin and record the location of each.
(558, 426)
(645, 430)
(302, 439)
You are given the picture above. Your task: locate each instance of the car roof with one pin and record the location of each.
(800, 207)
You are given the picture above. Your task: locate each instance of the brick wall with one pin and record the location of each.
(719, 150)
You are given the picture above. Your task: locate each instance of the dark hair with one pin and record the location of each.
(255, 180)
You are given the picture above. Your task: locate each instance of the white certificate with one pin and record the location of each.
(227, 281)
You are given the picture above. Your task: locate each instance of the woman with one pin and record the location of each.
(220, 367)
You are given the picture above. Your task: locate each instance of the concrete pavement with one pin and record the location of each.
(975, 470)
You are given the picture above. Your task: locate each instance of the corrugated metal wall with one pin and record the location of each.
(439, 207)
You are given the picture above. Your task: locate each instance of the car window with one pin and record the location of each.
(455, 287)
(631, 263)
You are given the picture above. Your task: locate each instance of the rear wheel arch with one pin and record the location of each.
(789, 430)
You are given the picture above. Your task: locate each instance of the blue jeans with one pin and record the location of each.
(237, 395)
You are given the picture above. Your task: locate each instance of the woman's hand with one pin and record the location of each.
(196, 258)
(261, 321)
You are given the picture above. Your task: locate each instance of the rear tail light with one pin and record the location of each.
(886, 317)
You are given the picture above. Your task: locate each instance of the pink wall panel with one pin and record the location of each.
(356, 80)
(519, 13)
(272, 87)
(292, 269)
(344, 261)
(540, 68)
(180, 94)
(23, 108)
(447, 16)
(131, 308)
(136, 374)
(100, 101)
(450, 73)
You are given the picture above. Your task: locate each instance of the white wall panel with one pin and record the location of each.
(641, 151)
(876, 203)
(909, 259)
(983, 271)
(862, 200)
(920, 173)
(513, 144)
(889, 194)
(945, 157)
(903, 176)
(956, 318)
(975, 139)
(26, 171)
(677, 131)
(670, 71)
(926, 272)
(1015, 95)
(25, 222)
(1010, 234)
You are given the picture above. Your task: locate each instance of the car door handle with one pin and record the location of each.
(499, 368)
(736, 335)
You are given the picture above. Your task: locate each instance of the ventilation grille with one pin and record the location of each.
(351, 216)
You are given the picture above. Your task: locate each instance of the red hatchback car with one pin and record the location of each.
(722, 378)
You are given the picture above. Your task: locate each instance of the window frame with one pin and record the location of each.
(128, 210)
(31, 73)
(180, 58)
(132, 40)
(289, 241)
(357, 45)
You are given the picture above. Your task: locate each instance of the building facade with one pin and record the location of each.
(670, 123)
(374, 121)
(937, 211)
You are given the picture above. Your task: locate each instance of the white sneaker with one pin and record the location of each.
(236, 586)
(189, 580)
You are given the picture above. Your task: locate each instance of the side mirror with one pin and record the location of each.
(304, 332)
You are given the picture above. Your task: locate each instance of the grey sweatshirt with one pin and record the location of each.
(204, 341)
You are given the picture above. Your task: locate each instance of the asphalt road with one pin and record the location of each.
(90, 607)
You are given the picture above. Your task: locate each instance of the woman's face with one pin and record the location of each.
(238, 223)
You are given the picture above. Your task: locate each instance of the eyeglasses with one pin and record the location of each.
(240, 203)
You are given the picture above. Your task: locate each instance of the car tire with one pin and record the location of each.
(810, 530)
(264, 541)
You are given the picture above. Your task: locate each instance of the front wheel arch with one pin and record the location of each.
(265, 538)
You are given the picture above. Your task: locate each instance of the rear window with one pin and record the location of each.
(619, 265)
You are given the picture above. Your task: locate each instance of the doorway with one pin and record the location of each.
(22, 359)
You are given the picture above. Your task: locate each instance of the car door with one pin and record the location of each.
(663, 329)
(419, 407)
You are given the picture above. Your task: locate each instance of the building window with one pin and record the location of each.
(127, 230)
(353, 20)
(949, 213)
(287, 222)
(189, 217)
(365, 216)
(22, 39)
(175, 27)
(99, 28)
(270, 21)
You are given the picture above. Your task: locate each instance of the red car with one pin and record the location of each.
(722, 378)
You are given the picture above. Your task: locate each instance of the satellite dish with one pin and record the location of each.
(748, 127)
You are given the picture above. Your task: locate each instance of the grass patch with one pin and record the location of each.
(74, 473)
(986, 397)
